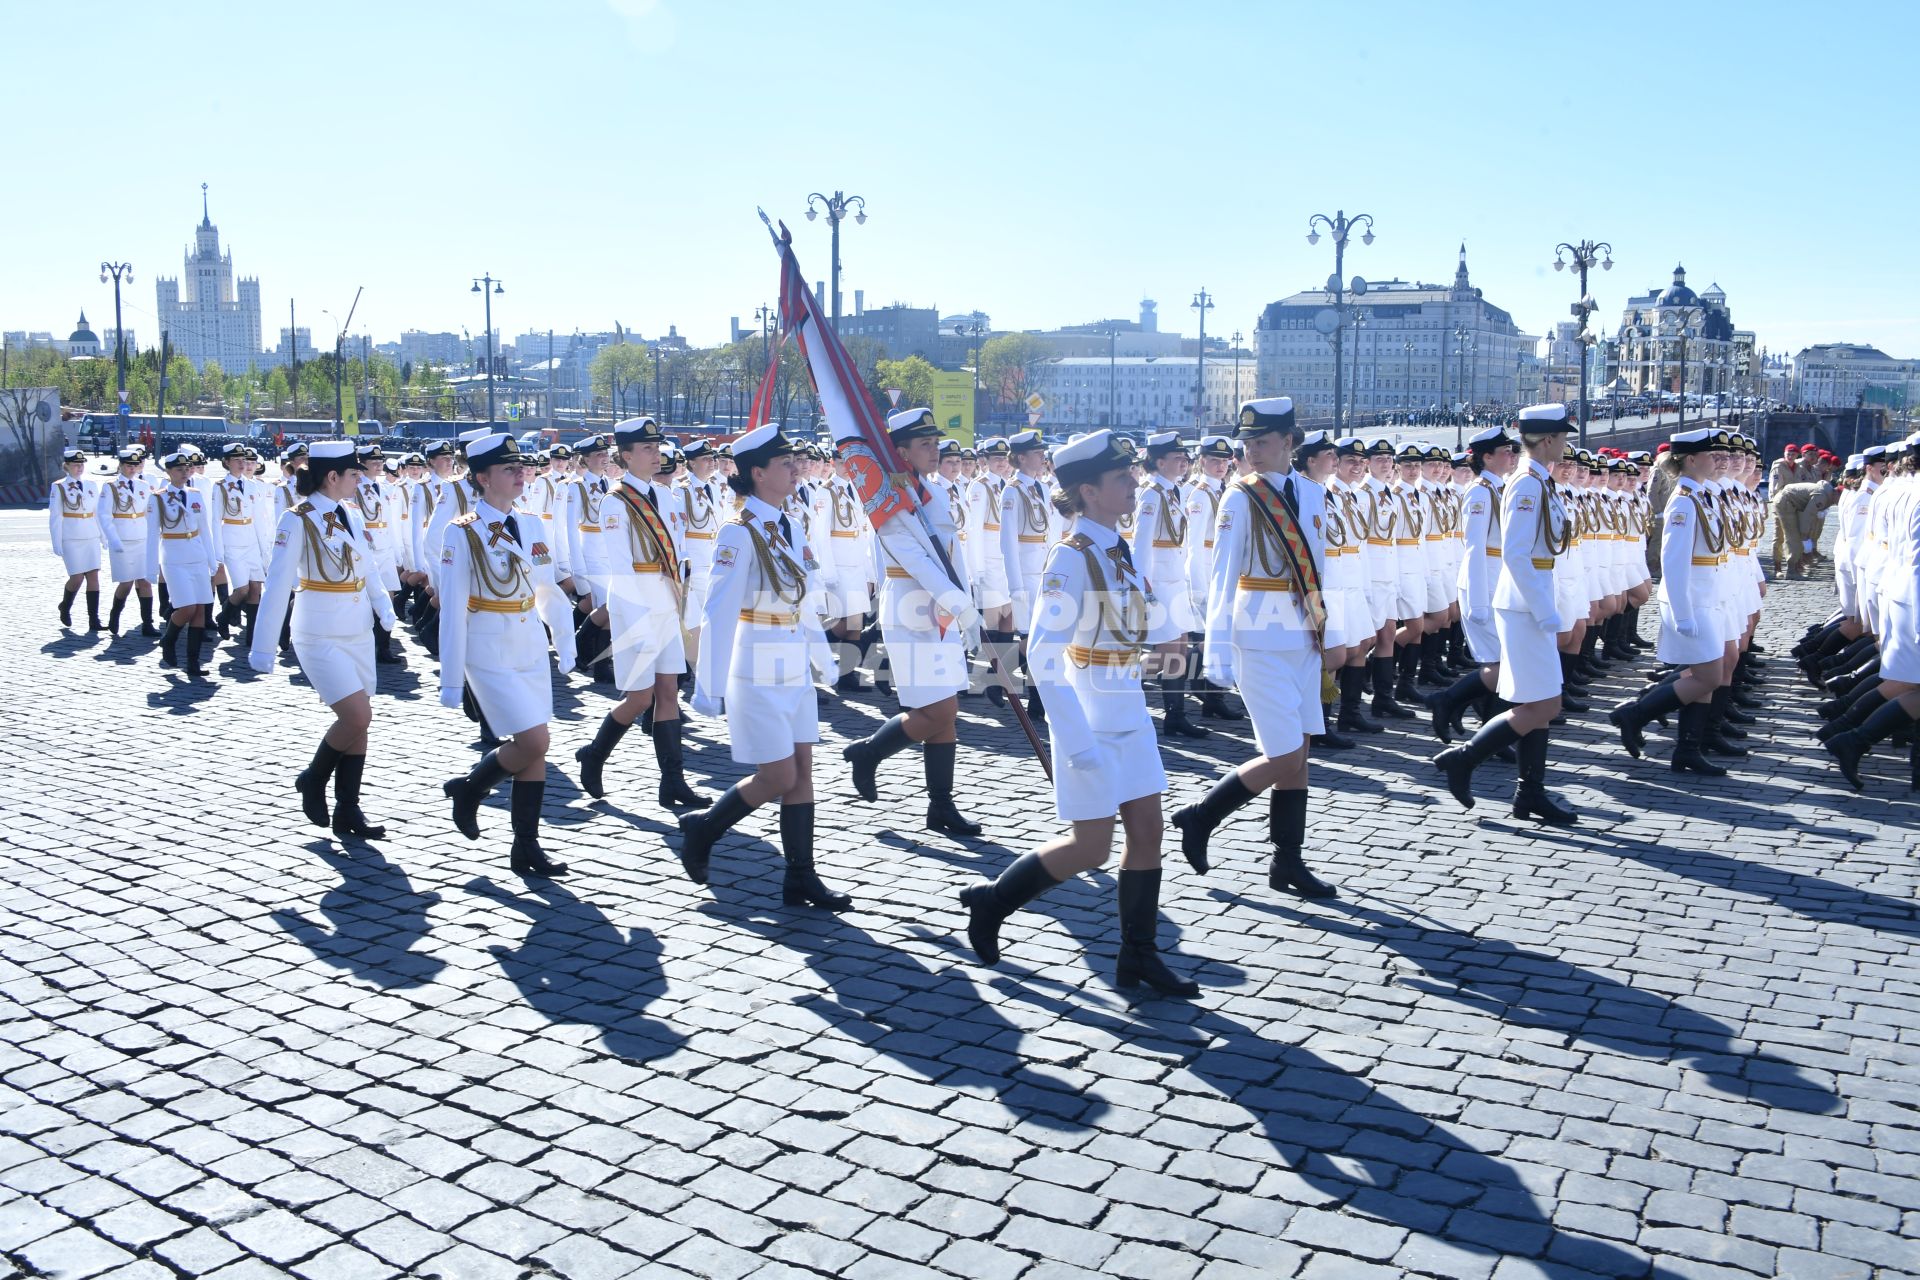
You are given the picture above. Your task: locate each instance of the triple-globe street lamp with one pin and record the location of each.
(1340, 227)
(487, 286)
(1585, 255)
(836, 206)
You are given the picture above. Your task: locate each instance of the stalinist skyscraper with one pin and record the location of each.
(213, 319)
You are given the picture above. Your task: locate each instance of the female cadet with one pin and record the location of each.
(1534, 528)
(180, 548)
(240, 525)
(130, 499)
(760, 643)
(318, 544)
(379, 511)
(492, 642)
(1026, 526)
(1490, 456)
(1343, 584)
(926, 619)
(76, 526)
(1094, 621)
(1265, 626)
(646, 585)
(1695, 633)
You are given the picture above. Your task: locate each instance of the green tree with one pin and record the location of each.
(276, 393)
(625, 367)
(913, 377)
(1006, 367)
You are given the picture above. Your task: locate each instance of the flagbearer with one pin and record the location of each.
(760, 644)
(1264, 627)
(926, 615)
(318, 546)
(646, 587)
(1535, 528)
(1095, 623)
(492, 642)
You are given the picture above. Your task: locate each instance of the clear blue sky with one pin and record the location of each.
(1047, 162)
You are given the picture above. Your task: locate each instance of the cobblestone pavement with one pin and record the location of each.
(1681, 1039)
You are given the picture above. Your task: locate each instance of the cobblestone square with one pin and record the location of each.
(1681, 1039)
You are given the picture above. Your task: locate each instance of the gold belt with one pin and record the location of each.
(1248, 582)
(1081, 656)
(180, 537)
(589, 528)
(1436, 537)
(1708, 561)
(370, 524)
(704, 537)
(1494, 552)
(846, 533)
(1379, 542)
(521, 604)
(231, 520)
(646, 568)
(767, 618)
(895, 571)
(1033, 537)
(78, 515)
(1540, 563)
(991, 528)
(1167, 542)
(124, 515)
(1406, 542)
(341, 588)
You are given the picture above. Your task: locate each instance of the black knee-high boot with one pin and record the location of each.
(249, 611)
(169, 648)
(1173, 696)
(1689, 735)
(1530, 798)
(1853, 715)
(93, 611)
(1716, 739)
(801, 885)
(669, 753)
(989, 903)
(469, 792)
(146, 616)
(1446, 705)
(196, 636)
(1851, 747)
(1432, 650)
(312, 783)
(938, 760)
(1384, 702)
(113, 614)
(221, 615)
(1139, 938)
(66, 605)
(865, 755)
(1198, 821)
(1458, 763)
(528, 858)
(1352, 680)
(1287, 829)
(166, 598)
(699, 831)
(1632, 718)
(348, 820)
(1407, 661)
(593, 757)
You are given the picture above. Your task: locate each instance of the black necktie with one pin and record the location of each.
(513, 527)
(1126, 553)
(647, 493)
(786, 530)
(1287, 496)
(345, 523)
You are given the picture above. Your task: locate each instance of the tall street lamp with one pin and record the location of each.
(836, 206)
(487, 286)
(1339, 226)
(1237, 339)
(1203, 303)
(974, 327)
(119, 271)
(1462, 344)
(1407, 391)
(1585, 254)
(1113, 376)
(1684, 330)
(1353, 386)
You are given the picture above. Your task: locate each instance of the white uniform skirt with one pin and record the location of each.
(1381, 599)
(1900, 641)
(338, 666)
(771, 703)
(1745, 593)
(1349, 616)
(927, 667)
(82, 555)
(188, 582)
(1529, 658)
(1707, 643)
(242, 558)
(1410, 582)
(1572, 599)
(1129, 769)
(1439, 578)
(129, 563)
(994, 591)
(514, 699)
(1281, 688)
(646, 638)
(1483, 638)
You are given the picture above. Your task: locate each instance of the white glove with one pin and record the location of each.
(385, 617)
(450, 696)
(1084, 761)
(1480, 616)
(821, 658)
(1686, 626)
(971, 640)
(705, 704)
(261, 660)
(1550, 623)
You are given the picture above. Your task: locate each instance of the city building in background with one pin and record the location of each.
(1841, 375)
(440, 349)
(83, 342)
(1141, 337)
(1146, 392)
(206, 312)
(1674, 340)
(1407, 346)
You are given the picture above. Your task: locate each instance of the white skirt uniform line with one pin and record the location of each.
(1160, 533)
(491, 639)
(983, 537)
(700, 523)
(1095, 618)
(645, 586)
(761, 641)
(1692, 550)
(180, 546)
(1383, 556)
(377, 517)
(1026, 531)
(77, 528)
(128, 500)
(1343, 583)
(1480, 565)
(318, 548)
(240, 528)
(1535, 528)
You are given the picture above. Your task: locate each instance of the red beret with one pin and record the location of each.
(1664, 446)
(1793, 448)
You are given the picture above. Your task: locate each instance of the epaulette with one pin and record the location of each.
(301, 508)
(1078, 541)
(465, 520)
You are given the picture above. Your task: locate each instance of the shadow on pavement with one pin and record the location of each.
(1534, 989)
(372, 918)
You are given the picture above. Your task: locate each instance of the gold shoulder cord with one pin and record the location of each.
(1416, 522)
(1117, 621)
(1716, 537)
(72, 504)
(334, 570)
(787, 580)
(1335, 530)
(1033, 515)
(514, 584)
(1557, 542)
